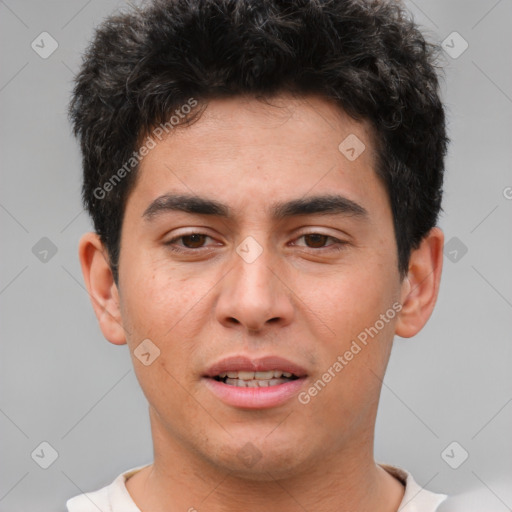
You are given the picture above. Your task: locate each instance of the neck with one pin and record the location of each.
(346, 480)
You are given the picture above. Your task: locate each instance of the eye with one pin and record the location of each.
(318, 240)
(191, 242)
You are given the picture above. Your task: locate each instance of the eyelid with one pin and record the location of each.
(182, 249)
(337, 241)
(195, 230)
(176, 238)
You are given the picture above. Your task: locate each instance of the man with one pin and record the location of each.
(264, 180)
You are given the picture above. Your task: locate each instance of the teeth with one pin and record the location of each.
(245, 375)
(264, 375)
(255, 383)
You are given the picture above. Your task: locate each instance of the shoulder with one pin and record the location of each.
(111, 498)
(91, 501)
(416, 498)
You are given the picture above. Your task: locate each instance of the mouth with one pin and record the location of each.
(247, 379)
(242, 382)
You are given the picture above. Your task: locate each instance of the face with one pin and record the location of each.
(292, 267)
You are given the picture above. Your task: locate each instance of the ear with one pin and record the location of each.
(421, 285)
(102, 289)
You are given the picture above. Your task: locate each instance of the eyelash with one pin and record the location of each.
(339, 245)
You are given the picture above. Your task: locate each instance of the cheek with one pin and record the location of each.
(158, 295)
(350, 300)
(351, 304)
(170, 394)
(170, 307)
(161, 307)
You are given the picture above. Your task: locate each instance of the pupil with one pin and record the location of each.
(318, 240)
(195, 239)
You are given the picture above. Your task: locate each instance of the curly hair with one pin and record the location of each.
(367, 56)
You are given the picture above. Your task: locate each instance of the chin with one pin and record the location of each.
(261, 459)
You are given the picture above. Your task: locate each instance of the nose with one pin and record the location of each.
(254, 294)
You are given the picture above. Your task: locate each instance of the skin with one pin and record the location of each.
(300, 299)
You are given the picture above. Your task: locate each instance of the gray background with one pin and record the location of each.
(62, 383)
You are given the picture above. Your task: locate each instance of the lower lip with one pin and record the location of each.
(254, 398)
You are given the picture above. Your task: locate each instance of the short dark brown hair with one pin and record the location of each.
(367, 56)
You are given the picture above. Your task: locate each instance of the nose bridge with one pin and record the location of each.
(252, 294)
(254, 276)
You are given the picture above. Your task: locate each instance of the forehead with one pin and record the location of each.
(247, 153)
(306, 125)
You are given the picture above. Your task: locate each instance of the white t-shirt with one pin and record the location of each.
(116, 498)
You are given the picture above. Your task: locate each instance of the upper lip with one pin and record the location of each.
(244, 363)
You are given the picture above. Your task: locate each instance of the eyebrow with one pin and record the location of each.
(331, 204)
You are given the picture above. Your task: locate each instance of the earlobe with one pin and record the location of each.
(421, 286)
(102, 288)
